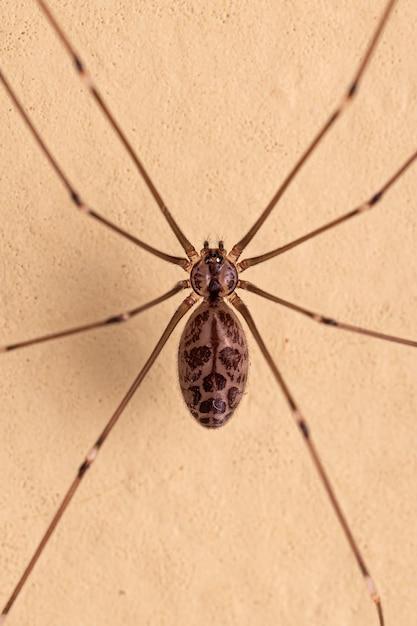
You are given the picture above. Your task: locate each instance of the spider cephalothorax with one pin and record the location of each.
(213, 276)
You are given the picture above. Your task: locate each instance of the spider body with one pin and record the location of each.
(213, 352)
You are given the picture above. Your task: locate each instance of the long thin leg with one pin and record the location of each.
(345, 101)
(365, 206)
(305, 432)
(75, 196)
(321, 319)
(93, 452)
(114, 319)
(85, 76)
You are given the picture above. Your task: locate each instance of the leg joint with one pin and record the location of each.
(304, 428)
(83, 468)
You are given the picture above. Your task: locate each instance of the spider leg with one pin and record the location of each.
(338, 111)
(119, 318)
(75, 196)
(93, 452)
(365, 206)
(321, 319)
(88, 81)
(304, 429)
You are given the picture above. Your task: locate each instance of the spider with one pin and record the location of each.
(213, 259)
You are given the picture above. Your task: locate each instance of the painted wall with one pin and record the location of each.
(176, 525)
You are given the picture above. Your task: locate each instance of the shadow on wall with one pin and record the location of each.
(85, 376)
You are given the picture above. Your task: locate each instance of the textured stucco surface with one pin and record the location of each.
(176, 525)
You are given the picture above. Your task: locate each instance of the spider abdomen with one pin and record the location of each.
(213, 363)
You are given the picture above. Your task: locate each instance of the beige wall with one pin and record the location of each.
(176, 525)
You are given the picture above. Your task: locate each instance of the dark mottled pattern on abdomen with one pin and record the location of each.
(213, 363)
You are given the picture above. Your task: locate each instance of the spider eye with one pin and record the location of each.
(214, 257)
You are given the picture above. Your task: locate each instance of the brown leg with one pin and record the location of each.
(365, 206)
(75, 196)
(345, 101)
(85, 76)
(321, 319)
(305, 432)
(92, 454)
(114, 319)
